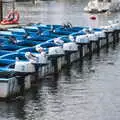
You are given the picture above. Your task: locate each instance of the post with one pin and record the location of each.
(55, 63)
(33, 1)
(21, 83)
(1, 10)
(80, 47)
(67, 57)
(98, 45)
(107, 40)
(90, 50)
(114, 38)
(13, 5)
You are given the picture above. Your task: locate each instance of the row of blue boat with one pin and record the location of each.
(38, 43)
(15, 42)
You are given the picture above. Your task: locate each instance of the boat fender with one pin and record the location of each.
(108, 28)
(42, 58)
(71, 46)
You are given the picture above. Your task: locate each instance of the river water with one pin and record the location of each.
(90, 91)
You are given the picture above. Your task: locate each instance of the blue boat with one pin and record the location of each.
(57, 41)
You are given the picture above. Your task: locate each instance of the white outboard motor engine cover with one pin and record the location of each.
(56, 51)
(108, 28)
(115, 26)
(92, 37)
(82, 39)
(71, 46)
(42, 58)
(100, 34)
(25, 66)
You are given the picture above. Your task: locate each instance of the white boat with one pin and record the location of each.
(96, 6)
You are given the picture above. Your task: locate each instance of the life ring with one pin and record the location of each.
(12, 18)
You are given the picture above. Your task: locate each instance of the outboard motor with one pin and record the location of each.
(29, 66)
(56, 55)
(100, 34)
(42, 58)
(55, 51)
(81, 39)
(113, 26)
(92, 37)
(71, 47)
(24, 67)
(94, 42)
(116, 27)
(108, 28)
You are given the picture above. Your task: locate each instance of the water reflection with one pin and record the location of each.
(74, 93)
(12, 110)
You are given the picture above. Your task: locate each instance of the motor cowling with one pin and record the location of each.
(100, 34)
(107, 28)
(56, 51)
(71, 46)
(116, 26)
(92, 37)
(25, 66)
(82, 39)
